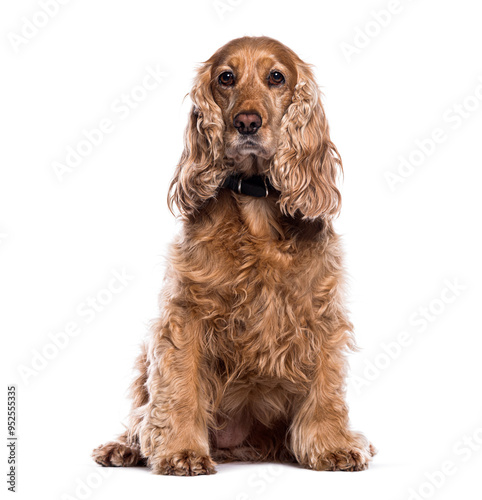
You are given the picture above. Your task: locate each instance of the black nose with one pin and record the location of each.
(247, 123)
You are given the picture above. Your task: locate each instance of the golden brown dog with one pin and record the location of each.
(247, 359)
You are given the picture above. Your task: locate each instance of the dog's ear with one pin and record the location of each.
(199, 173)
(307, 164)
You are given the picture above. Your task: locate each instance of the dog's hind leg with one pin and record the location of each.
(125, 450)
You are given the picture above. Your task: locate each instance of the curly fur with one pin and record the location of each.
(247, 358)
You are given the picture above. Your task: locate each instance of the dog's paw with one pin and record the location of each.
(350, 459)
(343, 460)
(183, 463)
(116, 454)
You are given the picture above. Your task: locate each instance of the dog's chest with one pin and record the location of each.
(263, 310)
(256, 291)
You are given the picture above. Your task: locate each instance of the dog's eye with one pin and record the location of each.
(276, 78)
(226, 78)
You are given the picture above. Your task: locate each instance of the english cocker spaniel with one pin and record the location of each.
(247, 359)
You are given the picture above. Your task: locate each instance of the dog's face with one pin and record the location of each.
(253, 85)
(257, 110)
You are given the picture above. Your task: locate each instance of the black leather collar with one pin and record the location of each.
(256, 186)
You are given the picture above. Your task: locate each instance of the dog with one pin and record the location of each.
(247, 359)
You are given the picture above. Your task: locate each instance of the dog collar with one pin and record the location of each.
(256, 186)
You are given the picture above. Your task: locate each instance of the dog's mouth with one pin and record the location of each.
(251, 144)
(250, 141)
(245, 146)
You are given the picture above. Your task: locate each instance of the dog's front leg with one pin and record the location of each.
(174, 431)
(320, 434)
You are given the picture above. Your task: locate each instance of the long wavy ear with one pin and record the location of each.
(307, 164)
(199, 174)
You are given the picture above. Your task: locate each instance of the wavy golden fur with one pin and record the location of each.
(247, 359)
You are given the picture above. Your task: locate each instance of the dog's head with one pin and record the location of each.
(257, 110)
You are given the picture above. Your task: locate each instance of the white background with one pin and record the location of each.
(60, 240)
